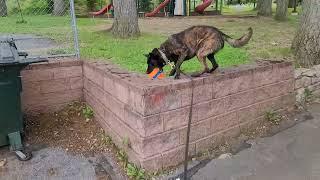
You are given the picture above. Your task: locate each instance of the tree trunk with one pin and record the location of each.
(265, 8)
(258, 4)
(291, 3)
(125, 22)
(282, 10)
(306, 42)
(3, 8)
(59, 7)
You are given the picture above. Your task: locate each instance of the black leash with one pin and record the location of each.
(186, 155)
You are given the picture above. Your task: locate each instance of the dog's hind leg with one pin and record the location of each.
(213, 62)
(203, 61)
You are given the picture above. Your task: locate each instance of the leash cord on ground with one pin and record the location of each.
(185, 177)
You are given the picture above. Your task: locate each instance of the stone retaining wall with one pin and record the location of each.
(152, 115)
(49, 86)
(307, 79)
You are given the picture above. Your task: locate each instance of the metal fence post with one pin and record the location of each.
(74, 29)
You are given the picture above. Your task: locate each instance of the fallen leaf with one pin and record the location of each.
(3, 162)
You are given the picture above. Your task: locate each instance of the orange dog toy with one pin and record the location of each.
(156, 74)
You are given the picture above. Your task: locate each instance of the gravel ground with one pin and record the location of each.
(48, 163)
(34, 45)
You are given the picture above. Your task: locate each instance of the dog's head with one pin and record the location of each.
(154, 60)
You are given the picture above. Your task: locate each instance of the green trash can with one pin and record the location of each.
(11, 118)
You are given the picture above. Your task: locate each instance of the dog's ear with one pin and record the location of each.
(147, 55)
(155, 51)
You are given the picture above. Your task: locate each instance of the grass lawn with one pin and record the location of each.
(130, 53)
(97, 43)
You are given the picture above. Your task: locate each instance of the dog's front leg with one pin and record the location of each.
(173, 71)
(178, 65)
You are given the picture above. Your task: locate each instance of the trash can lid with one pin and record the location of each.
(9, 54)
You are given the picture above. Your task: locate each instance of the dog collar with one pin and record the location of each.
(166, 59)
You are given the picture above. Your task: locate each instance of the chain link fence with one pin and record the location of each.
(40, 27)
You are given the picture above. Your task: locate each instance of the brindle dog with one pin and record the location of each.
(201, 41)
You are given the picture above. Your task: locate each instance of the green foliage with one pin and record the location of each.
(34, 7)
(307, 95)
(87, 112)
(144, 5)
(107, 140)
(273, 117)
(135, 172)
(122, 157)
(42, 7)
(21, 21)
(132, 170)
(80, 7)
(91, 4)
(126, 142)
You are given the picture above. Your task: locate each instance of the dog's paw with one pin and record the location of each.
(196, 74)
(171, 73)
(177, 77)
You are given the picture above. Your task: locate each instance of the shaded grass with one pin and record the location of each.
(248, 9)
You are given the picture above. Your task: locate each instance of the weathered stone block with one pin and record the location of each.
(239, 100)
(202, 93)
(95, 90)
(303, 82)
(56, 85)
(198, 130)
(176, 118)
(209, 142)
(108, 84)
(94, 103)
(230, 85)
(124, 131)
(263, 76)
(248, 113)
(93, 75)
(211, 108)
(66, 72)
(37, 75)
(175, 156)
(224, 122)
(162, 101)
(121, 92)
(273, 90)
(76, 82)
(160, 143)
(114, 105)
(31, 88)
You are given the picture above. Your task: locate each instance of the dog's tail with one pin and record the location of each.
(238, 42)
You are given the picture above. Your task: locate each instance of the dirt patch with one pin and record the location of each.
(68, 129)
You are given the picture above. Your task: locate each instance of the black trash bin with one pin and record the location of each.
(11, 118)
